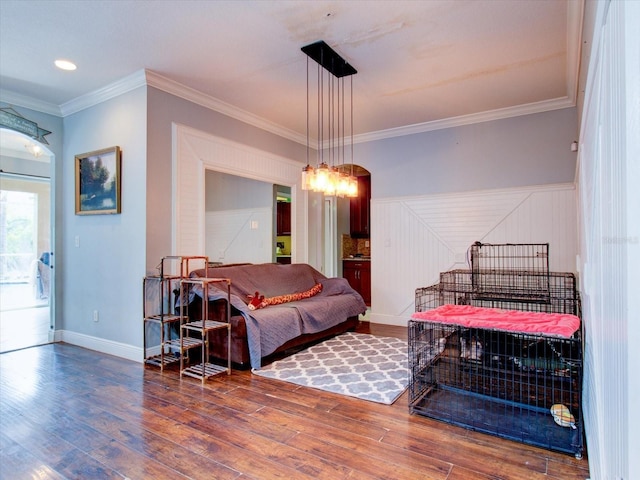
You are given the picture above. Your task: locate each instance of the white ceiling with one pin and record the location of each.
(420, 63)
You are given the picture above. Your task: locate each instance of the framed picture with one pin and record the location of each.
(98, 182)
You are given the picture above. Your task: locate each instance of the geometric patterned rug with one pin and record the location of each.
(354, 364)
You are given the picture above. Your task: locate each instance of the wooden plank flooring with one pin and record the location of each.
(68, 412)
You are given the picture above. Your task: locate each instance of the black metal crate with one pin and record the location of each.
(553, 292)
(530, 257)
(524, 268)
(497, 382)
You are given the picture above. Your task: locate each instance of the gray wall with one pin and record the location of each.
(230, 192)
(104, 272)
(513, 152)
(116, 251)
(163, 111)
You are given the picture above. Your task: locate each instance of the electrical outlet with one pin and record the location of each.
(77, 240)
(96, 317)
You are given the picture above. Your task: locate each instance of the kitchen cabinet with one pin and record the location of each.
(359, 209)
(283, 259)
(358, 274)
(283, 219)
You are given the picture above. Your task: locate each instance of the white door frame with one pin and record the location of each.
(330, 260)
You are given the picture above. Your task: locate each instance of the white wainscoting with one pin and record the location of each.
(238, 236)
(609, 174)
(413, 239)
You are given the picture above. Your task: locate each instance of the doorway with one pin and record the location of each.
(26, 260)
(246, 220)
(282, 208)
(350, 233)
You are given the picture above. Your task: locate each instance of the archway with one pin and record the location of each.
(346, 238)
(26, 279)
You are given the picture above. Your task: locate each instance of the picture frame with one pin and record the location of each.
(98, 182)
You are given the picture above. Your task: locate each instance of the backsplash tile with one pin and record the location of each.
(355, 246)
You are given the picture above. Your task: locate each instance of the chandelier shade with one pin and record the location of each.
(331, 176)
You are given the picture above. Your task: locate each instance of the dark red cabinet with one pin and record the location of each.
(360, 210)
(283, 219)
(358, 274)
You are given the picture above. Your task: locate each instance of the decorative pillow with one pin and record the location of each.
(259, 301)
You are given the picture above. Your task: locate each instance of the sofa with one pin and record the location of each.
(277, 320)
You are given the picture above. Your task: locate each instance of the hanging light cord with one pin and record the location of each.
(320, 120)
(351, 125)
(307, 111)
(343, 158)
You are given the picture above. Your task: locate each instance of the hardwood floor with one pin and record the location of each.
(68, 412)
(24, 317)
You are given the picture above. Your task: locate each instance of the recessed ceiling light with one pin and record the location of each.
(65, 65)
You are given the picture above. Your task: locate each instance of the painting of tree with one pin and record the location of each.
(98, 182)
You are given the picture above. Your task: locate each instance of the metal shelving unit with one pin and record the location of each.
(162, 308)
(195, 333)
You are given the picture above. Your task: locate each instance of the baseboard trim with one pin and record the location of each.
(400, 321)
(100, 345)
(136, 354)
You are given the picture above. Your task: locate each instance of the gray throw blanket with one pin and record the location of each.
(270, 327)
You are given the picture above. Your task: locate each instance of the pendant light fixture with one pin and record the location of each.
(330, 175)
(34, 149)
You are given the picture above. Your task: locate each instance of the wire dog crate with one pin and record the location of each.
(531, 257)
(507, 270)
(553, 292)
(504, 384)
(493, 381)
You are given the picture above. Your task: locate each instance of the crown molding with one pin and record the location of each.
(18, 99)
(174, 88)
(575, 20)
(153, 79)
(526, 109)
(103, 94)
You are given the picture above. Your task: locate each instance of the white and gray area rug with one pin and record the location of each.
(354, 364)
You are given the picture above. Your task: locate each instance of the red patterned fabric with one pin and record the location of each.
(259, 301)
(557, 324)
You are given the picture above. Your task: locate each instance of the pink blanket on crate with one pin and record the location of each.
(556, 324)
